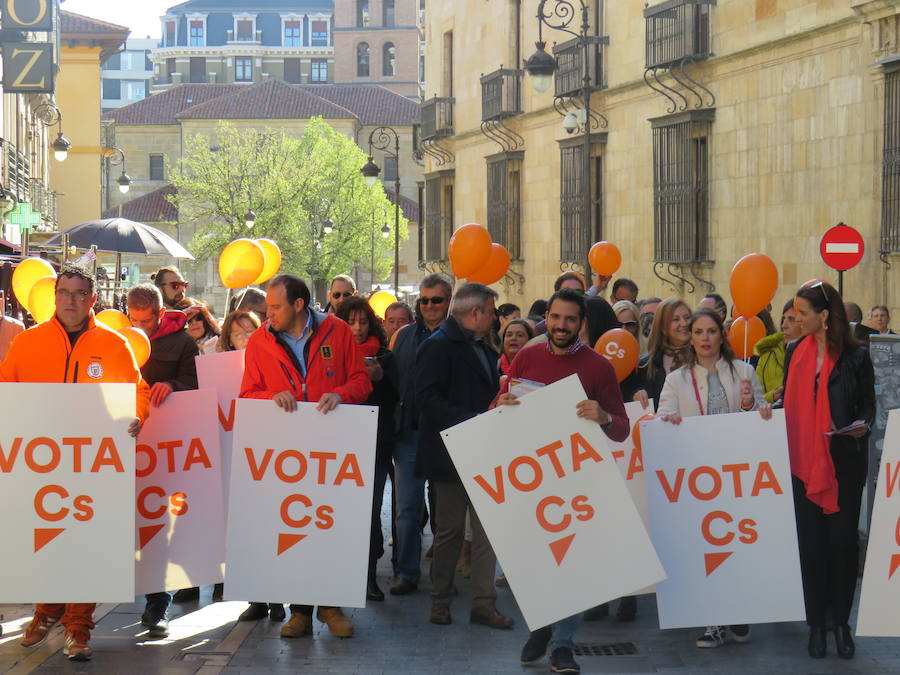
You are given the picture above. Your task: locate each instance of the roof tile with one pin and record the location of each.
(269, 99)
(153, 207)
(163, 108)
(69, 22)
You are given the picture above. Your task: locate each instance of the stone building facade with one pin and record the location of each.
(717, 129)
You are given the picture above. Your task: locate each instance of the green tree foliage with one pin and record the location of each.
(292, 185)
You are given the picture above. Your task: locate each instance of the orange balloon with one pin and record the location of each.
(620, 347)
(42, 299)
(636, 429)
(604, 258)
(495, 268)
(139, 343)
(273, 260)
(754, 280)
(241, 263)
(113, 318)
(470, 248)
(380, 301)
(26, 275)
(744, 334)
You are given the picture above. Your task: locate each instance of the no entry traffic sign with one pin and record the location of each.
(842, 247)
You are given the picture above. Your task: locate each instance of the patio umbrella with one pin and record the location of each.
(120, 235)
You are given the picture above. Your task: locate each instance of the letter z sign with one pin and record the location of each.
(28, 68)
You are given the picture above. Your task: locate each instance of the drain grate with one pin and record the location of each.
(614, 649)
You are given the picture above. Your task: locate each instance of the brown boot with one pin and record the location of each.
(489, 616)
(297, 626)
(440, 614)
(338, 623)
(464, 564)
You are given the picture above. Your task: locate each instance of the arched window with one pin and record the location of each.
(388, 60)
(362, 59)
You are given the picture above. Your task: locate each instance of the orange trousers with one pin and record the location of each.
(75, 614)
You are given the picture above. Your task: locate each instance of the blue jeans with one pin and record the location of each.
(564, 632)
(410, 492)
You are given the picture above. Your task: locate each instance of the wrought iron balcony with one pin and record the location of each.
(569, 77)
(501, 94)
(677, 30)
(437, 118)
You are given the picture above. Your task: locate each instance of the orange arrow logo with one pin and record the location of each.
(146, 533)
(713, 560)
(560, 547)
(43, 536)
(895, 563)
(285, 541)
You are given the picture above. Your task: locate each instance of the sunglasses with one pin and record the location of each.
(345, 294)
(433, 301)
(176, 285)
(821, 285)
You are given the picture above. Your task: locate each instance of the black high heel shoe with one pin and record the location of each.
(817, 643)
(844, 641)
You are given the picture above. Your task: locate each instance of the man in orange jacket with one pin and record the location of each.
(72, 347)
(303, 355)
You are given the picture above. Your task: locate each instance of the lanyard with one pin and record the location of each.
(697, 391)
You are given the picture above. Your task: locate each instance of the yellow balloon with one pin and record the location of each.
(380, 301)
(273, 260)
(139, 343)
(27, 273)
(42, 299)
(113, 318)
(240, 263)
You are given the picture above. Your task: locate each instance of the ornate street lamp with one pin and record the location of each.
(49, 115)
(249, 219)
(380, 139)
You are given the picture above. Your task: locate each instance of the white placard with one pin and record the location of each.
(300, 509)
(879, 611)
(553, 504)
(223, 372)
(722, 520)
(629, 459)
(180, 511)
(67, 492)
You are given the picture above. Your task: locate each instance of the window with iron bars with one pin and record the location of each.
(438, 214)
(890, 179)
(18, 173)
(578, 231)
(681, 190)
(676, 30)
(504, 189)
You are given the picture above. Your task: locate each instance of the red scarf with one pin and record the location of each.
(504, 365)
(370, 347)
(808, 416)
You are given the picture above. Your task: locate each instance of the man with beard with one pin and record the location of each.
(562, 355)
(172, 286)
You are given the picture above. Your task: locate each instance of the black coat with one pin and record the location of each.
(384, 396)
(172, 360)
(600, 317)
(641, 379)
(452, 386)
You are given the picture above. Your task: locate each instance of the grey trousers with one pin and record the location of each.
(452, 505)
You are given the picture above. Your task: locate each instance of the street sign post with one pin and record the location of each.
(841, 248)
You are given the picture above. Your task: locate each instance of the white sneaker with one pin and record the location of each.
(714, 636)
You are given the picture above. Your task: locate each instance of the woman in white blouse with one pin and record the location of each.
(712, 382)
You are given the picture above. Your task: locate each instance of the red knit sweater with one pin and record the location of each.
(596, 374)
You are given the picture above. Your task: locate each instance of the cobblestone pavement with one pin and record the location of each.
(395, 637)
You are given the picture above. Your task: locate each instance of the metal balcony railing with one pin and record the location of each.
(501, 94)
(569, 76)
(437, 118)
(677, 30)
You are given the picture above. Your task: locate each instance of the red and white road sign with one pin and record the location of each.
(842, 247)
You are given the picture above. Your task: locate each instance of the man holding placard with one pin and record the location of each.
(303, 355)
(73, 345)
(564, 354)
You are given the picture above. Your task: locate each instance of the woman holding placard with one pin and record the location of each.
(712, 382)
(829, 402)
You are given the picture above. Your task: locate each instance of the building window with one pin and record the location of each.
(292, 34)
(170, 33)
(292, 71)
(681, 189)
(134, 90)
(577, 229)
(503, 201)
(390, 169)
(387, 13)
(319, 33)
(890, 180)
(675, 31)
(243, 69)
(198, 69)
(319, 70)
(388, 60)
(171, 67)
(196, 38)
(244, 30)
(438, 214)
(157, 167)
(362, 59)
(112, 89)
(114, 62)
(362, 13)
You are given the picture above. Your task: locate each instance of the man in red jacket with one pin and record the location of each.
(303, 355)
(562, 355)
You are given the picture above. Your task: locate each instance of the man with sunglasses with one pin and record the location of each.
(342, 287)
(172, 286)
(435, 292)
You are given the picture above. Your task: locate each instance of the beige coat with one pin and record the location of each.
(678, 394)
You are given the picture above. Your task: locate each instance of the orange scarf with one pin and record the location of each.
(370, 347)
(808, 416)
